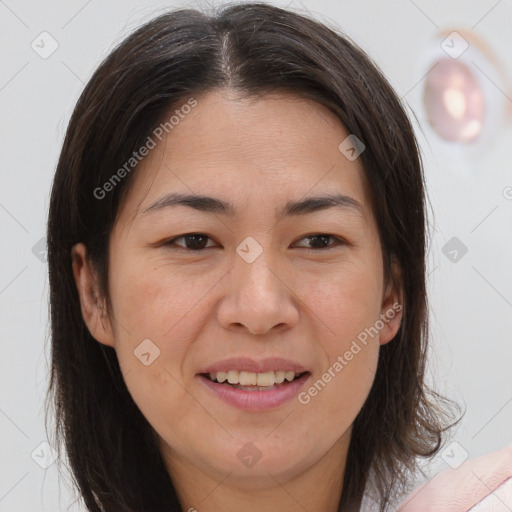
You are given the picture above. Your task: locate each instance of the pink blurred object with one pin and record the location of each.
(454, 101)
(483, 484)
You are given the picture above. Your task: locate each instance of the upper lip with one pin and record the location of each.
(247, 364)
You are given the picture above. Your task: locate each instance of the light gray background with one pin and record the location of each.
(471, 299)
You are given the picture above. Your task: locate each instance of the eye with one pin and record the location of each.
(320, 241)
(193, 241)
(196, 242)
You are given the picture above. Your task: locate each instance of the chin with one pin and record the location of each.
(252, 468)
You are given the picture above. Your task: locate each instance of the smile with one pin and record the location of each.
(255, 391)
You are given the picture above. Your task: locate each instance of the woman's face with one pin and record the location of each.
(265, 287)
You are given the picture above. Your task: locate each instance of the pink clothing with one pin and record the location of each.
(482, 484)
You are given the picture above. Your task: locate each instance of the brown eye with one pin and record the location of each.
(321, 241)
(197, 241)
(192, 241)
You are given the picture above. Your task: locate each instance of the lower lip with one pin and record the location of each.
(256, 400)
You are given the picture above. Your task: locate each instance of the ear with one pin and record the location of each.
(93, 310)
(392, 305)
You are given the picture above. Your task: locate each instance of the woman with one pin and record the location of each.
(236, 247)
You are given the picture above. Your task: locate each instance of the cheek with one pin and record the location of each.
(338, 395)
(156, 309)
(154, 327)
(162, 399)
(346, 301)
(153, 299)
(346, 308)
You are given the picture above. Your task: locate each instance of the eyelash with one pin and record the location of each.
(338, 241)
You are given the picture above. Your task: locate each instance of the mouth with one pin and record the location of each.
(254, 391)
(251, 381)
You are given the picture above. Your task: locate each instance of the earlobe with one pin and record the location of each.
(93, 311)
(392, 307)
(391, 317)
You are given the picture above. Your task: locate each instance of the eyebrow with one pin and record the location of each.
(214, 205)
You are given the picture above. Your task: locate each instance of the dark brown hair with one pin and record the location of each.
(253, 49)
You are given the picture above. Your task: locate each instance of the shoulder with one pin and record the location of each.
(482, 484)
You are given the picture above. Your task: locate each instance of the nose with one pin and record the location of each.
(259, 297)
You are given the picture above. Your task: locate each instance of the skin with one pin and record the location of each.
(295, 300)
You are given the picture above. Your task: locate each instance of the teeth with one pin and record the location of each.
(264, 379)
(253, 379)
(220, 376)
(279, 377)
(289, 376)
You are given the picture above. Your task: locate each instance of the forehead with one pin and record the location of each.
(264, 150)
